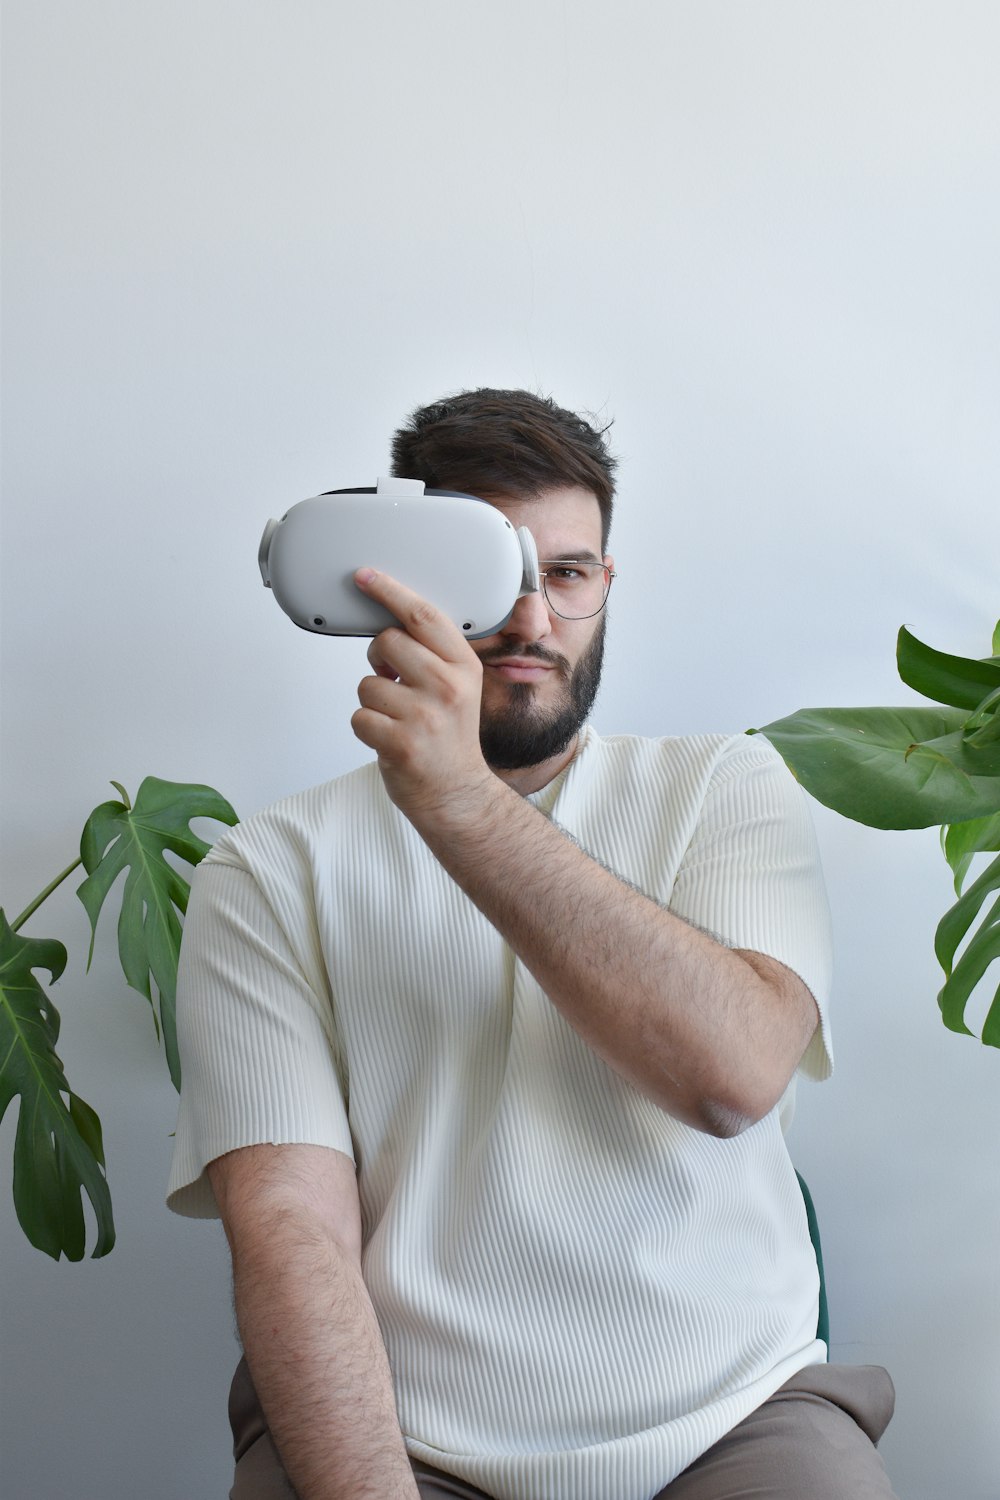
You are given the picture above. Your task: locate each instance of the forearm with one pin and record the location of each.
(319, 1365)
(709, 1033)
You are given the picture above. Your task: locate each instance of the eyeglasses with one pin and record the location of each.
(576, 590)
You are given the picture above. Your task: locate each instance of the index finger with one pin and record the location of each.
(418, 617)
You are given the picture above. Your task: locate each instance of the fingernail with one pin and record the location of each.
(364, 575)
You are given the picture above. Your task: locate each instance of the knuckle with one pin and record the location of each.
(381, 645)
(451, 693)
(422, 613)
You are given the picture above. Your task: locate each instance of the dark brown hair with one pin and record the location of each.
(505, 443)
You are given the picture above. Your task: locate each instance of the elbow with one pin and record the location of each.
(728, 1116)
(717, 1104)
(717, 1111)
(724, 1121)
(727, 1106)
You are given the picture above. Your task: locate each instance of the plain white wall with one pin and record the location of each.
(242, 240)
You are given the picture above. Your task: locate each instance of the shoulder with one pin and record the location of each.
(687, 764)
(295, 826)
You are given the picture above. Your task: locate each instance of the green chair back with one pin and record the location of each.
(823, 1327)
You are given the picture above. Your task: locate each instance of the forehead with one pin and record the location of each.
(565, 522)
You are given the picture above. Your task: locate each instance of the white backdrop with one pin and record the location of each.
(242, 240)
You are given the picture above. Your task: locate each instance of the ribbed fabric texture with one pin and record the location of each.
(578, 1293)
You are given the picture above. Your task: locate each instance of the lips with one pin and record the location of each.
(518, 670)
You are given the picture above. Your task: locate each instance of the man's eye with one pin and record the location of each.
(565, 574)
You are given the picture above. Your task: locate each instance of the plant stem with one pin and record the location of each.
(44, 895)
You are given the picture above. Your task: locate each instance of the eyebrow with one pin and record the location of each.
(578, 554)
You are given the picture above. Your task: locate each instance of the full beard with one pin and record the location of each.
(522, 733)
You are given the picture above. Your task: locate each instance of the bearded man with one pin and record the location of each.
(485, 1046)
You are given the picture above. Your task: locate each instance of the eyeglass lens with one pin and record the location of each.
(576, 590)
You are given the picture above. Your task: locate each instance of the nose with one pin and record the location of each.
(530, 619)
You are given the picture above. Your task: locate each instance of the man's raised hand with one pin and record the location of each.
(420, 711)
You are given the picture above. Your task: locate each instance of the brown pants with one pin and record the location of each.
(813, 1440)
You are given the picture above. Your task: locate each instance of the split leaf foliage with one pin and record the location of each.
(920, 767)
(58, 1151)
(58, 1146)
(118, 837)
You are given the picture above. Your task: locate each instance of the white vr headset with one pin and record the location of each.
(457, 551)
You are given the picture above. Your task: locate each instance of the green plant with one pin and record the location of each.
(58, 1145)
(914, 768)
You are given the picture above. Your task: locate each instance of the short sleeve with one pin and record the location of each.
(751, 875)
(258, 1048)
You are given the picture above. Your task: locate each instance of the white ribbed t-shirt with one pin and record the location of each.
(578, 1293)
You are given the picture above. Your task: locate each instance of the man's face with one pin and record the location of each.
(541, 672)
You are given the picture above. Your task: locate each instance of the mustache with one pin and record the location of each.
(531, 649)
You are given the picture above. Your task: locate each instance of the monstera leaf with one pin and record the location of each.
(58, 1146)
(914, 767)
(964, 972)
(120, 836)
(961, 681)
(58, 1151)
(962, 841)
(889, 767)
